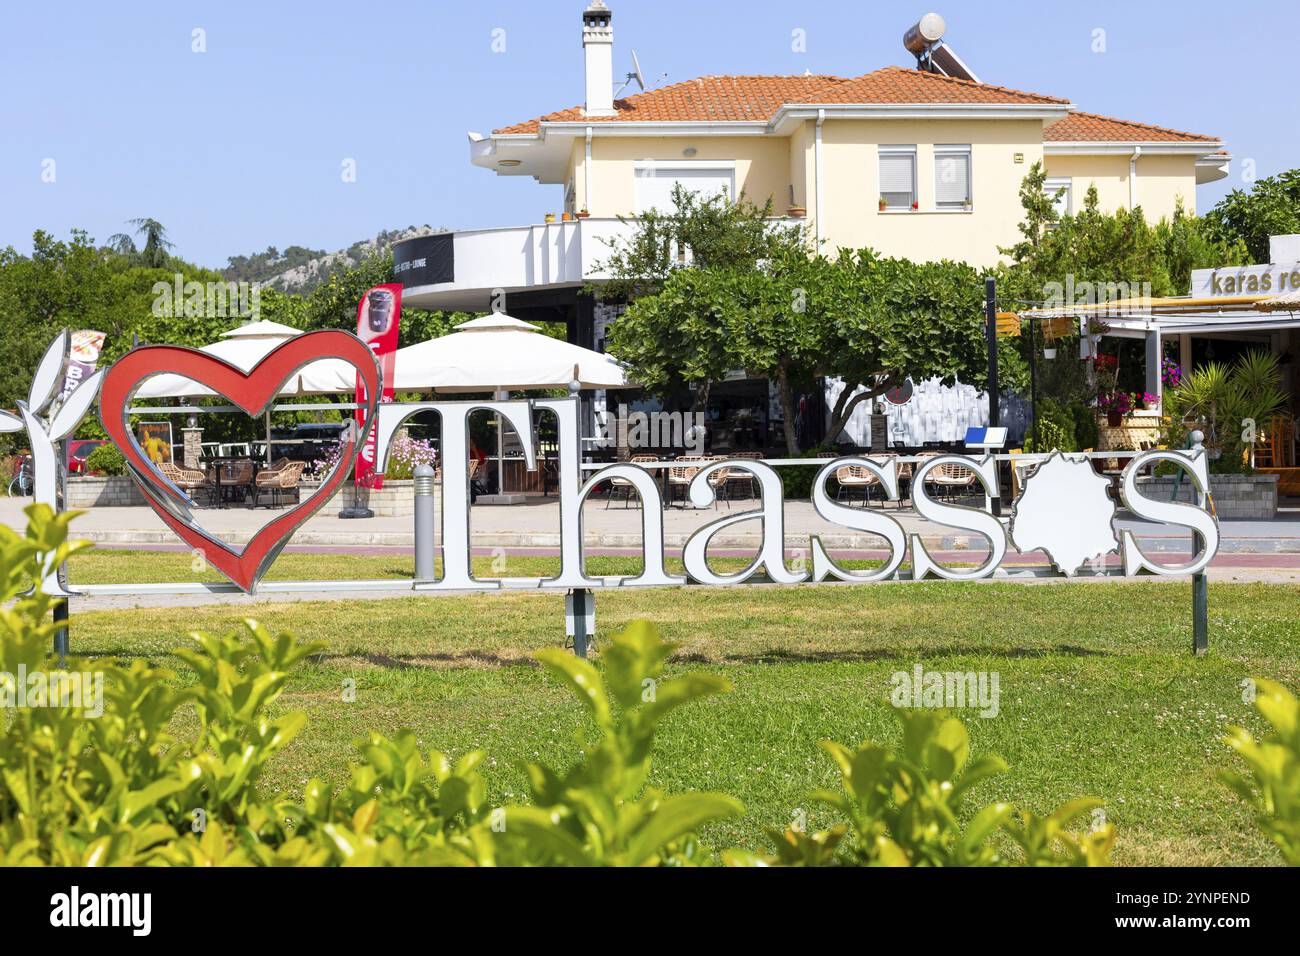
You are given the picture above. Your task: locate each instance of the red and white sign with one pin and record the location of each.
(379, 314)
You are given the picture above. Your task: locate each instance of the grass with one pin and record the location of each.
(1100, 694)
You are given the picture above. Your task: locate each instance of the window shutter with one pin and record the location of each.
(896, 178)
(951, 179)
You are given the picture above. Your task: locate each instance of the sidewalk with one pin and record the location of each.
(535, 525)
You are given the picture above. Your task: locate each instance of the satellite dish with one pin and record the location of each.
(636, 75)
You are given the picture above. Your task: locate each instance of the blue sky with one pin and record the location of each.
(242, 146)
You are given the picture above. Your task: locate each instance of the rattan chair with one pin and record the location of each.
(188, 480)
(680, 476)
(284, 482)
(854, 480)
(951, 477)
(625, 487)
(738, 478)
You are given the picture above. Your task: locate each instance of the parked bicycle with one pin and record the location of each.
(21, 484)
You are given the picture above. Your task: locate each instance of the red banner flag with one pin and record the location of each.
(378, 315)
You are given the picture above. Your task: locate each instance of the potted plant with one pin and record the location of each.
(883, 204)
(566, 217)
(796, 212)
(1116, 405)
(550, 217)
(915, 205)
(583, 214)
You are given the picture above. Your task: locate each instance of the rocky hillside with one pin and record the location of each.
(300, 269)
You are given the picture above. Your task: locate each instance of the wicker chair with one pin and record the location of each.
(680, 476)
(280, 482)
(736, 478)
(188, 480)
(625, 487)
(854, 479)
(267, 480)
(951, 477)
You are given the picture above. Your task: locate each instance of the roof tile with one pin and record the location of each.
(757, 98)
(1090, 128)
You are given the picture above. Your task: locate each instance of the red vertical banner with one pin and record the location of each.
(378, 315)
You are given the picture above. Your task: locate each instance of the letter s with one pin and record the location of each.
(1170, 512)
(957, 516)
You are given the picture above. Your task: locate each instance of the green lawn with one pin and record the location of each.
(1100, 694)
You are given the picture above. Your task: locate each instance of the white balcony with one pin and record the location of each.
(462, 271)
(512, 259)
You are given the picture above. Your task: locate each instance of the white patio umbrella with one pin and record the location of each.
(498, 353)
(244, 347)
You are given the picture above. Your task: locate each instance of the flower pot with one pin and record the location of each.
(566, 217)
(1049, 353)
(796, 212)
(883, 205)
(1114, 418)
(550, 217)
(583, 214)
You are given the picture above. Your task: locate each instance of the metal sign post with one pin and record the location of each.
(991, 333)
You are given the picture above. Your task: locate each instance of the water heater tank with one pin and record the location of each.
(924, 33)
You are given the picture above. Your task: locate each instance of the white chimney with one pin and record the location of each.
(598, 53)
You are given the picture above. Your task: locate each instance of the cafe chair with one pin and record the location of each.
(739, 478)
(621, 486)
(188, 480)
(950, 477)
(854, 480)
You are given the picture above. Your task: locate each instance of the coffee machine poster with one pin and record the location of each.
(378, 315)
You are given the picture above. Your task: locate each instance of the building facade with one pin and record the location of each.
(909, 162)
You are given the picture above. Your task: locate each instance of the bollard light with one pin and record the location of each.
(423, 522)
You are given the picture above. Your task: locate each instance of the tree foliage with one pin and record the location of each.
(1270, 208)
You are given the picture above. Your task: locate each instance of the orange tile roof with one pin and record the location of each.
(896, 84)
(1091, 128)
(706, 99)
(757, 98)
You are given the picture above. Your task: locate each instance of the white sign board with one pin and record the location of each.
(1272, 279)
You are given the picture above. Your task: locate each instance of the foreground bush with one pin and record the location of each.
(1273, 790)
(120, 789)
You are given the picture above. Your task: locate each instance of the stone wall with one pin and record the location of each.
(1235, 496)
(395, 500)
(115, 491)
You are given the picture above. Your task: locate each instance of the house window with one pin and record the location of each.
(655, 181)
(898, 176)
(952, 177)
(1051, 186)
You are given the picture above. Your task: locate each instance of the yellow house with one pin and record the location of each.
(910, 162)
(924, 163)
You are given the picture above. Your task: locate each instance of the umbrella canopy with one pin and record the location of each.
(244, 347)
(496, 352)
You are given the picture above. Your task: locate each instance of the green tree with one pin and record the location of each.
(156, 244)
(1270, 208)
(702, 231)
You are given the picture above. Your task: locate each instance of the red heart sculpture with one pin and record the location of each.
(252, 391)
